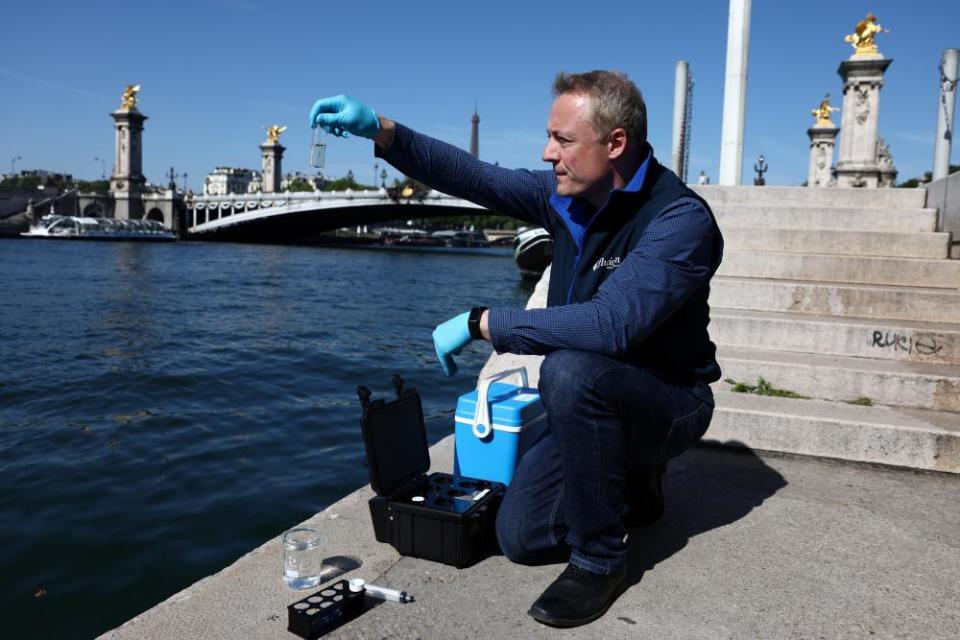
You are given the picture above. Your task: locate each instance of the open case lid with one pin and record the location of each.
(395, 438)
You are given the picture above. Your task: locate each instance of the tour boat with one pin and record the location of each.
(533, 252)
(77, 228)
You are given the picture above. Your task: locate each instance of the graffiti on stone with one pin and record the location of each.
(924, 345)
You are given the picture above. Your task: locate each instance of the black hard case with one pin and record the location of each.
(447, 525)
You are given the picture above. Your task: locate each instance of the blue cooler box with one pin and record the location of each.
(491, 441)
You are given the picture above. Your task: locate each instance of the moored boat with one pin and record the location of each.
(533, 252)
(461, 238)
(77, 228)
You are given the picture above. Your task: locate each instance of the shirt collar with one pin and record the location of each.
(566, 205)
(636, 182)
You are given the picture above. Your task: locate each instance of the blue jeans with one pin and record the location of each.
(606, 418)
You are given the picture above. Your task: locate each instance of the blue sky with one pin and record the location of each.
(214, 72)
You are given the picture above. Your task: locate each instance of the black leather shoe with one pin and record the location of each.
(578, 596)
(643, 495)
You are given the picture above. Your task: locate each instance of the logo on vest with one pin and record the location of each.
(607, 263)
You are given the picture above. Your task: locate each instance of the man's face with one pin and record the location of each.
(580, 158)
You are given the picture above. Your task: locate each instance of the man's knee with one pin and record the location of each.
(525, 545)
(566, 375)
(569, 377)
(512, 538)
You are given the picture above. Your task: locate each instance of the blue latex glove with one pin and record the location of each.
(449, 339)
(342, 114)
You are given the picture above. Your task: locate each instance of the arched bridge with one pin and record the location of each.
(265, 216)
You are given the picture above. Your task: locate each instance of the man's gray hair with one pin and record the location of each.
(616, 101)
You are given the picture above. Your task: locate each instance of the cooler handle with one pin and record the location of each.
(482, 423)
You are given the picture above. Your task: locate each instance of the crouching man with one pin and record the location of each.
(628, 357)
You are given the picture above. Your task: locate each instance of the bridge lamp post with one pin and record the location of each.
(13, 165)
(376, 168)
(103, 167)
(383, 178)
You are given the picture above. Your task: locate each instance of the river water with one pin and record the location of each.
(165, 408)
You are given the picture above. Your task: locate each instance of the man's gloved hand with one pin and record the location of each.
(449, 339)
(342, 114)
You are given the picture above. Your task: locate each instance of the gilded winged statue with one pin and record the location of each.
(129, 97)
(273, 133)
(863, 37)
(823, 112)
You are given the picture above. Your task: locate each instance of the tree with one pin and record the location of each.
(93, 186)
(300, 184)
(927, 176)
(21, 182)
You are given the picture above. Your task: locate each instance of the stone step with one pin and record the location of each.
(918, 272)
(800, 217)
(804, 196)
(903, 384)
(911, 438)
(845, 300)
(937, 343)
(899, 244)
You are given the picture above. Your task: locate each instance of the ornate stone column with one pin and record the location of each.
(862, 74)
(823, 136)
(127, 182)
(272, 153)
(822, 140)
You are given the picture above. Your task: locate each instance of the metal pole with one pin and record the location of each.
(13, 165)
(679, 116)
(735, 93)
(945, 113)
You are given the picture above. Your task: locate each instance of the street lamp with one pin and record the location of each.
(103, 167)
(13, 165)
(383, 178)
(376, 167)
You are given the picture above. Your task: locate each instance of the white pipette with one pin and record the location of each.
(381, 593)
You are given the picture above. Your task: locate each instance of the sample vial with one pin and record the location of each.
(318, 148)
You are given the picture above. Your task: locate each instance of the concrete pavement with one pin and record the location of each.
(749, 547)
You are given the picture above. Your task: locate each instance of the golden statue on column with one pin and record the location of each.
(129, 97)
(863, 37)
(273, 133)
(823, 112)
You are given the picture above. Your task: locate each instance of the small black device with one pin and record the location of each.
(440, 517)
(473, 322)
(325, 610)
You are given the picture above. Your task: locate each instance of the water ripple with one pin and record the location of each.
(192, 400)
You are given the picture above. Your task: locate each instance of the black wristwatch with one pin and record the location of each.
(473, 322)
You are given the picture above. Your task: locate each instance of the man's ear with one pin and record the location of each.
(616, 143)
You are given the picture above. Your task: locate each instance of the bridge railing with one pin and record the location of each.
(203, 210)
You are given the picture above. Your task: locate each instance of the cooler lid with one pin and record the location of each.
(510, 405)
(395, 438)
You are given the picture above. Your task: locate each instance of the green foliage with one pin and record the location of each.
(300, 184)
(342, 184)
(21, 182)
(763, 388)
(93, 186)
(863, 401)
(927, 176)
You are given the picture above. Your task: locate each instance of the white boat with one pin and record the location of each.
(77, 228)
(533, 252)
(461, 238)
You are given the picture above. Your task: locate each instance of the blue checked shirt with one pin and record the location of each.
(668, 264)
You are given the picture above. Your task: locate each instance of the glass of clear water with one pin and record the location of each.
(302, 563)
(318, 148)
